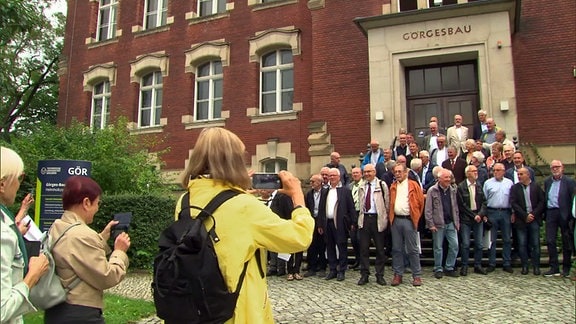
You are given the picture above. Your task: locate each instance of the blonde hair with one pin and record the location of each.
(219, 153)
(11, 164)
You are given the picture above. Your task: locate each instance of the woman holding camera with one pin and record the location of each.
(80, 255)
(244, 224)
(18, 272)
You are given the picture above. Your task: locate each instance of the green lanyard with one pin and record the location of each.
(21, 244)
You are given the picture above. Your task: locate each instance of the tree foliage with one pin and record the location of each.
(30, 47)
(120, 161)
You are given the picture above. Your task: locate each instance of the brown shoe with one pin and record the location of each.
(417, 282)
(297, 276)
(397, 280)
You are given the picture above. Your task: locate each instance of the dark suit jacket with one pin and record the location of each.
(458, 170)
(565, 193)
(344, 177)
(428, 177)
(463, 196)
(477, 131)
(518, 203)
(425, 142)
(282, 205)
(309, 201)
(510, 173)
(345, 212)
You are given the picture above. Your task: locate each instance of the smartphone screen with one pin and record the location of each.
(123, 225)
(266, 181)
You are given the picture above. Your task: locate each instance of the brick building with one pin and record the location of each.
(298, 79)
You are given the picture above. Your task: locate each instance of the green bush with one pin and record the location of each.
(151, 213)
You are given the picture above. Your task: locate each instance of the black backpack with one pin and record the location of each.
(187, 285)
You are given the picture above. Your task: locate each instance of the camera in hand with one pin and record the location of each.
(266, 181)
(122, 226)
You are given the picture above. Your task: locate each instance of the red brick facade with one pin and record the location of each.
(331, 78)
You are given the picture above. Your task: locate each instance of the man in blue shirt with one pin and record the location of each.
(497, 192)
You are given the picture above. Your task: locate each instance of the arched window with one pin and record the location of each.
(100, 112)
(209, 91)
(277, 81)
(150, 104)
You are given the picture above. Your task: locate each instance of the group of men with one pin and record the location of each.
(442, 185)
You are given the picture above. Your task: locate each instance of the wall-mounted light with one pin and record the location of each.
(379, 116)
(504, 105)
(499, 44)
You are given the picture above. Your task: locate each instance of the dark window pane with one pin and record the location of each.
(203, 90)
(450, 78)
(285, 56)
(217, 108)
(145, 117)
(204, 70)
(205, 8)
(146, 99)
(217, 88)
(159, 98)
(416, 82)
(221, 5)
(157, 116)
(202, 112)
(158, 77)
(408, 5)
(432, 82)
(217, 67)
(287, 101)
(467, 77)
(287, 79)
(269, 59)
(269, 103)
(147, 79)
(269, 81)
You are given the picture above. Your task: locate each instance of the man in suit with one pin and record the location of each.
(354, 186)
(457, 134)
(372, 222)
(472, 211)
(429, 142)
(335, 213)
(315, 256)
(335, 163)
(559, 191)
(426, 176)
(518, 160)
(480, 127)
(528, 203)
(282, 205)
(455, 164)
(402, 148)
(440, 153)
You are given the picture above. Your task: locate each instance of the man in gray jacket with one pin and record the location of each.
(442, 218)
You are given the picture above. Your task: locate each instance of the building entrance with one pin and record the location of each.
(442, 91)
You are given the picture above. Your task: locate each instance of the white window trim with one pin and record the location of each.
(211, 78)
(106, 94)
(154, 89)
(158, 13)
(278, 68)
(113, 13)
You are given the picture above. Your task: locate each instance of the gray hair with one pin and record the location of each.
(416, 163)
(479, 156)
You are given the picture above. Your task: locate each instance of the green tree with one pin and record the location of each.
(120, 161)
(30, 47)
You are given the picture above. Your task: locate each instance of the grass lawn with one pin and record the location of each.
(117, 309)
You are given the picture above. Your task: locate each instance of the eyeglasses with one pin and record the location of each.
(555, 167)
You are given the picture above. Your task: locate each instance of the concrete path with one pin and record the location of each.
(496, 298)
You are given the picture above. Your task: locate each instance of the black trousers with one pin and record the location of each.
(294, 263)
(336, 263)
(316, 256)
(73, 314)
(369, 232)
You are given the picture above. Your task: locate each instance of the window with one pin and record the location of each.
(100, 105)
(211, 7)
(107, 20)
(438, 3)
(209, 91)
(406, 5)
(150, 100)
(274, 165)
(156, 13)
(277, 81)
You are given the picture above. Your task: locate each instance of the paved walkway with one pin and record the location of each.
(496, 298)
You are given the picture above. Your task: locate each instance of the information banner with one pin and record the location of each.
(52, 175)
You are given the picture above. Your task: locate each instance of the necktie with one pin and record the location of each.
(368, 199)
(453, 162)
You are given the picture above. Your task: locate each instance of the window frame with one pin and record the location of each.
(112, 20)
(279, 90)
(156, 89)
(211, 78)
(103, 97)
(218, 7)
(279, 163)
(161, 14)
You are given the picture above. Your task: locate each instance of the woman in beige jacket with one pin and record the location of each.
(82, 253)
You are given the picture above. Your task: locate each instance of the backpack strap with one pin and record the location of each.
(76, 280)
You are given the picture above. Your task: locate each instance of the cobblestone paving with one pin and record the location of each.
(496, 298)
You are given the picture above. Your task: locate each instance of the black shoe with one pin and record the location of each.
(271, 273)
(438, 274)
(524, 270)
(480, 270)
(354, 265)
(310, 273)
(508, 269)
(552, 273)
(490, 269)
(380, 280)
(464, 271)
(452, 273)
(340, 276)
(363, 280)
(566, 274)
(537, 271)
(331, 275)
(322, 273)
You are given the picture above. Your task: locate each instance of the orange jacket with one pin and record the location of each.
(415, 200)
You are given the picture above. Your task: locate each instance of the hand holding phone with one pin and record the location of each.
(123, 225)
(266, 181)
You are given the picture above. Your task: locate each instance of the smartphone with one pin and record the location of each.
(32, 248)
(123, 225)
(266, 181)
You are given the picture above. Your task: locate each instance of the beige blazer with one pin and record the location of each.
(453, 139)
